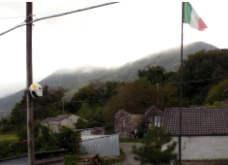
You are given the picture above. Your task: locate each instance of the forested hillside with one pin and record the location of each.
(73, 80)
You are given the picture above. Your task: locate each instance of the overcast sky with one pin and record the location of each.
(107, 36)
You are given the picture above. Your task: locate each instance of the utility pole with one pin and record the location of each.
(1, 122)
(63, 105)
(157, 93)
(29, 81)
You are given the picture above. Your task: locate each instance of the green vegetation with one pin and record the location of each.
(71, 159)
(67, 139)
(151, 152)
(8, 150)
(11, 137)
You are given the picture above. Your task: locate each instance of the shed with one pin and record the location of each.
(56, 123)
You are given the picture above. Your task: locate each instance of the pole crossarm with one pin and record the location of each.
(59, 15)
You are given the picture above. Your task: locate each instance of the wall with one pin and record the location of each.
(203, 147)
(120, 128)
(93, 131)
(54, 126)
(105, 146)
(88, 137)
(69, 122)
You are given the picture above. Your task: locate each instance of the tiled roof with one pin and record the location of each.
(60, 117)
(197, 121)
(57, 118)
(45, 121)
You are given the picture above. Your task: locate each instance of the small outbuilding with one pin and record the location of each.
(56, 123)
(126, 123)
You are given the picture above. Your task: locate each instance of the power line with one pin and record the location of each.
(216, 78)
(59, 15)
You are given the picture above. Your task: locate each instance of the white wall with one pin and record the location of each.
(203, 147)
(69, 122)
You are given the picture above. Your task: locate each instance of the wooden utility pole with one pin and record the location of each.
(29, 78)
(1, 122)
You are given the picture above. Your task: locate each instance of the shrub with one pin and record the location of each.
(71, 159)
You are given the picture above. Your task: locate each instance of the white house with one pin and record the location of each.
(56, 123)
(204, 132)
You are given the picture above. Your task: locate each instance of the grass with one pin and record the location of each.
(126, 140)
(114, 161)
(8, 136)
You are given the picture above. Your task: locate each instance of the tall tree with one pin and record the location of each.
(135, 97)
(203, 65)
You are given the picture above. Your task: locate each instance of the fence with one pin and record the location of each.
(104, 146)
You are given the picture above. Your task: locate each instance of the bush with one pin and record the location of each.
(81, 124)
(9, 149)
(7, 129)
(71, 159)
(151, 152)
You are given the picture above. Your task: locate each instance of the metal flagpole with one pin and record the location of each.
(181, 79)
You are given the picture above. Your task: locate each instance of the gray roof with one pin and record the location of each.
(45, 121)
(57, 118)
(197, 121)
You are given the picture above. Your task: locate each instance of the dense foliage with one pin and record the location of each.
(94, 94)
(152, 152)
(81, 124)
(47, 140)
(203, 65)
(41, 110)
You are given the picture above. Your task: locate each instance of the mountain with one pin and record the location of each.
(73, 80)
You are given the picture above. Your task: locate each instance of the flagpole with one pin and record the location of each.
(181, 79)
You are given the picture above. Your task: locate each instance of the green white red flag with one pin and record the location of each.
(192, 18)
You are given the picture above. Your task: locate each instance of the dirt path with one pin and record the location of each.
(127, 147)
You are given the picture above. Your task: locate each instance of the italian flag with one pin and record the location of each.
(192, 18)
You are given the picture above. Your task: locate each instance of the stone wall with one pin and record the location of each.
(122, 123)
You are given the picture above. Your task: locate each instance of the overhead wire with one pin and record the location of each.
(59, 15)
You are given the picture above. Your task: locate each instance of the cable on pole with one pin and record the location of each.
(59, 15)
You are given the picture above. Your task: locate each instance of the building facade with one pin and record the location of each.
(56, 123)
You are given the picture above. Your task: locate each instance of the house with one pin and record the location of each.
(153, 116)
(126, 123)
(204, 131)
(56, 123)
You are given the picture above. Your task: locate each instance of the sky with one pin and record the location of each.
(108, 36)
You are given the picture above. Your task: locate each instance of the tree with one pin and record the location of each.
(51, 95)
(95, 94)
(154, 74)
(152, 152)
(136, 97)
(203, 65)
(217, 93)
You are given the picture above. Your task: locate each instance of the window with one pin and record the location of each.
(122, 122)
(157, 121)
(55, 129)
